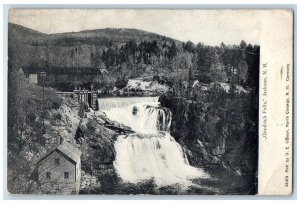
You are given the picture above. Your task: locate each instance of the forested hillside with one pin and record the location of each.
(129, 53)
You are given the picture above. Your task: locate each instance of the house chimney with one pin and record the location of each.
(61, 139)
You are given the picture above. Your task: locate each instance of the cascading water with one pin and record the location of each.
(121, 102)
(151, 152)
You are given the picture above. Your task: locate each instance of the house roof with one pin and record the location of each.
(62, 70)
(70, 151)
(67, 149)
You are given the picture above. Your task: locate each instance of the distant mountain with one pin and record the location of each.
(19, 33)
(99, 37)
(28, 47)
(115, 34)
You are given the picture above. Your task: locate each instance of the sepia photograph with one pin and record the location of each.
(133, 101)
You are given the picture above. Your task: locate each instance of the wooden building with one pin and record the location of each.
(59, 171)
(62, 74)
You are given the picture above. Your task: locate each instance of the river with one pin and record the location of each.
(151, 152)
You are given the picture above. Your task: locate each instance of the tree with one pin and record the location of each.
(172, 51)
(189, 47)
(121, 82)
(23, 140)
(243, 72)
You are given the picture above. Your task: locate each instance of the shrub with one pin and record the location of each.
(31, 117)
(57, 116)
(81, 110)
(121, 82)
(56, 104)
(90, 127)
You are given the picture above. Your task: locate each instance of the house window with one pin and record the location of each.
(33, 78)
(48, 175)
(66, 174)
(57, 162)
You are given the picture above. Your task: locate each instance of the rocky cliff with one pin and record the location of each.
(218, 127)
(95, 137)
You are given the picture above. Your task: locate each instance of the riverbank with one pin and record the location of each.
(218, 130)
(142, 87)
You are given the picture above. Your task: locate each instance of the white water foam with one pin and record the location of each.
(120, 102)
(153, 157)
(145, 117)
(150, 153)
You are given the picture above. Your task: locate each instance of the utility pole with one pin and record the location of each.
(43, 76)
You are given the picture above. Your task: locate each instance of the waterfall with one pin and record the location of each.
(120, 102)
(151, 152)
(159, 157)
(144, 117)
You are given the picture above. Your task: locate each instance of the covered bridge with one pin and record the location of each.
(62, 74)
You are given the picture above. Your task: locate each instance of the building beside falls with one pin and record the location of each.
(76, 80)
(55, 75)
(59, 171)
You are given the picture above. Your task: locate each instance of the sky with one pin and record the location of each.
(210, 27)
